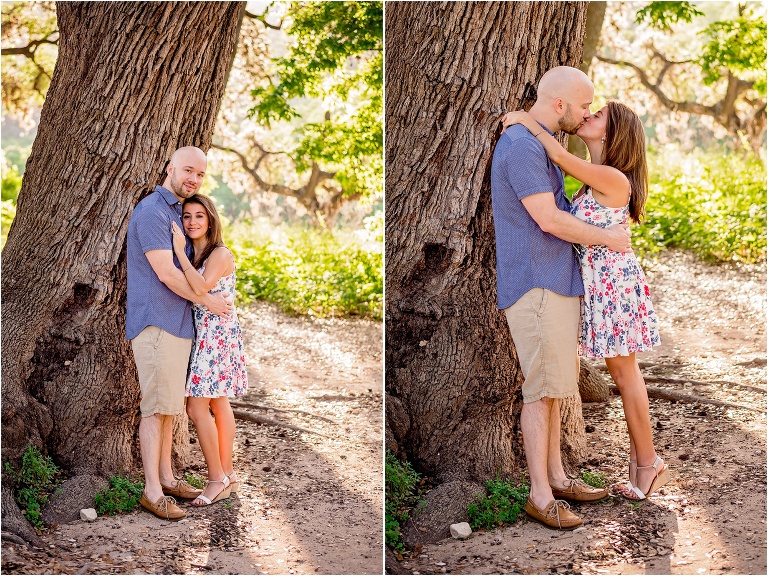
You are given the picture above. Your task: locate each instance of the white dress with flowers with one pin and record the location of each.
(617, 316)
(217, 363)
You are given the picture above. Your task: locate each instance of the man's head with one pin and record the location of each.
(563, 98)
(185, 171)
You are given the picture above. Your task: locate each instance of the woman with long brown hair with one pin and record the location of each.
(217, 363)
(617, 316)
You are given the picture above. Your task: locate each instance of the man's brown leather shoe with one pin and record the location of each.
(183, 489)
(556, 514)
(164, 508)
(580, 492)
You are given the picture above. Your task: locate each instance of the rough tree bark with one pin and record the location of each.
(452, 377)
(133, 81)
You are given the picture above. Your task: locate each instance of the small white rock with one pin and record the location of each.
(88, 514)
(580, 529)
(461, 530)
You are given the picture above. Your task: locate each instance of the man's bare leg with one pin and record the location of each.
(150, 437)
(535, 424)
(166, 470)
(555, 472)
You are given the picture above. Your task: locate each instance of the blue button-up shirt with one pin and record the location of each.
(150, 302)
(526, 256)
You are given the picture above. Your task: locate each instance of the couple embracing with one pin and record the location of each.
(184, 333)
(568, 281)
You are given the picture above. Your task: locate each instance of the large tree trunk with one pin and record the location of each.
(133, 81)
(452, 377)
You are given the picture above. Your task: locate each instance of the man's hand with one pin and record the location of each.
(218, 303)
(619, 238)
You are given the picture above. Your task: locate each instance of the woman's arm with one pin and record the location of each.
(218, 264)
(606, 179)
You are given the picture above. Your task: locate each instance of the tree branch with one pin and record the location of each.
(687, 106)
(266, 186)
(29, 49)
(263, 19)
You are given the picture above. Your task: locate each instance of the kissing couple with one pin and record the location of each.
(568, 281)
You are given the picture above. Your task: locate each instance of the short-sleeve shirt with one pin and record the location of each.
(526, 256)
(150, 302)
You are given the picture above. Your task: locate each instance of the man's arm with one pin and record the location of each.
(162, 263)
(551, 219)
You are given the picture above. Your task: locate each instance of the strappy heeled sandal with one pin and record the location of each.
(234, 484)
(225, 492)
(627, 489)
(661, 478)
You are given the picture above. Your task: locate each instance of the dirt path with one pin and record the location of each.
(311, 502)
(711, 518)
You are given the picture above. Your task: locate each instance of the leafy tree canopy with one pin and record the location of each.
(738, 45)
(337, 58)
(661, 15)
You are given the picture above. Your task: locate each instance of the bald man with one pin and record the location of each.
(539, 283)
(159, 325)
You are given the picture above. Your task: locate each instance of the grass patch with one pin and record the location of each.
(34, 481)
(122, 495)
(195, 480)
(401, 494)
(308, 271)
(500, 506)
(710, 203)
(594, 479)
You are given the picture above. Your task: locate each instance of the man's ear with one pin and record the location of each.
(559, 105)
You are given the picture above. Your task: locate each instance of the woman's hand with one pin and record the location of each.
(520, 117)
(179, 240)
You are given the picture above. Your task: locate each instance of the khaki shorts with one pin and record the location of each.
(545, 328)
(161, 361)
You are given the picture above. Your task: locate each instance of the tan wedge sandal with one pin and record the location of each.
(234, 484)
(662, 477)
(225, 492)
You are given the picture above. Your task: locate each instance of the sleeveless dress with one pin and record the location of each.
(617, 316)
(217, 362)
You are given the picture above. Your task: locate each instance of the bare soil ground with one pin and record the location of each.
(311, 502)
(711, 518)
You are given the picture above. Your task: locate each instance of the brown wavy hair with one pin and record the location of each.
(213, 235)
(625, 150)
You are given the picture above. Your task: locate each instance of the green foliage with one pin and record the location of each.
(594, 479)
(11, 183)
(500, 506)
(34, 482)
(712, 204)
(401, 494)
(337, 58)
(571, 186)
(7, 214)
(738, 45)
(661, 15)
(314, 272)
(194, 479)
(122, 495)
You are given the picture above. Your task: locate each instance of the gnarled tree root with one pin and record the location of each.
(248, 417)
(663, 394)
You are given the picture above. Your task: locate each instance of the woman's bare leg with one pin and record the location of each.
(626, 374)
(207, 435)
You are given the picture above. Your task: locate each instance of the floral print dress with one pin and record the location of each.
(217, 362)
(617, 316)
